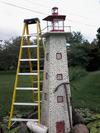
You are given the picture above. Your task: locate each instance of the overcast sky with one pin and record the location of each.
(82, 15)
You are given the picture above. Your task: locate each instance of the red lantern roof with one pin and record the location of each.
(55, 15)
(52, 17)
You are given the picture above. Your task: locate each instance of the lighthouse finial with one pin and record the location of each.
(55, 11)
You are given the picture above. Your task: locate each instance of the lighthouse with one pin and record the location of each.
(56, 111)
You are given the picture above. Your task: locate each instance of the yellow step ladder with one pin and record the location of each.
(27, 44)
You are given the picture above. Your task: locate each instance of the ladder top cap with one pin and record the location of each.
(31, 21)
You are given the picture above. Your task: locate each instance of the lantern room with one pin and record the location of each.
(55, 22)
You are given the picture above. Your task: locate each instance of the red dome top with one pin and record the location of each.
(55, 15)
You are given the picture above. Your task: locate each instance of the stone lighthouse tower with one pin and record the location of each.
(56, 111)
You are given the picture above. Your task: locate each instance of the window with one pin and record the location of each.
(45, 96)
(60, 99)
(59, 77)
(47, 56)
(58, 56)
(46, 75)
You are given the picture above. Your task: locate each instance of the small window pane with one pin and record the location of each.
(46, 75)
(45, 96)
(58, 56)
(47, 56)
(60, 99)
(59, 77)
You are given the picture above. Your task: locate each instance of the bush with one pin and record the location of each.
(76, 73)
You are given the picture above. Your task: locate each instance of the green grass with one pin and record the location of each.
(6, 85)
(6, 91)
(85, 87)
(86, 91)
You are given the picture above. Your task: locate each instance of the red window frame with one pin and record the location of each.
(46, 75)
(45, 96)
(59, 76)
(58, 56)
(47, 56)
(60, 99)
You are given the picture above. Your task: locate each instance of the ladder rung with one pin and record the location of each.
(26, 104)
(30, 35)
(27, 35)
(21, 119)
(37, 81)
(29, 46)
(26, 74)
(41, 59)
(37, 101)
(28, 59)
(26, 88)
(41, 70)
(37, 91)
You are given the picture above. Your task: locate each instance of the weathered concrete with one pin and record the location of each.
(56, 108)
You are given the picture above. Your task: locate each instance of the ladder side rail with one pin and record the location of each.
(29, 52)
(41, 36)
(26, 30)
(43, 48)
(38, 69)
(29, 56)
(16, 79)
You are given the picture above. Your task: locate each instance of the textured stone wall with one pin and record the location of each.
(55, 112)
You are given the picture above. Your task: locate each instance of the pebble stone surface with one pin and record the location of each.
(53, 111)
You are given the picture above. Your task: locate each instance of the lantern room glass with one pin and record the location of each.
(57, 25)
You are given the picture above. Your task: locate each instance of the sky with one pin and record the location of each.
(81, 15)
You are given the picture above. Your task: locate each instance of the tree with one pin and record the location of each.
(10, 52)
(94, 54)
(75, 38)
(78, 55)
(98, 36)
(94, 58)
(84, 54)
(78, 50)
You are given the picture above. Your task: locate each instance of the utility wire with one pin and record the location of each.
(31, 1)
(21, 7)
(73, 14)
(67, 12)
(27, 9)
(78, 22)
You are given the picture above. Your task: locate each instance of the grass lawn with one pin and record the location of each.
(86, 91)
(6, 85)
(6, 91)
(85, 87)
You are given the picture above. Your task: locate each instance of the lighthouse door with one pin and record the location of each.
(60, 127)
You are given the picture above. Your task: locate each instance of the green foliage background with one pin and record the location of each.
(84, 64)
